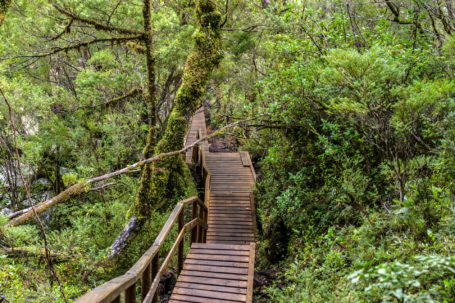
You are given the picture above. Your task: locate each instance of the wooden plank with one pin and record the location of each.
(244, 158)
(217, 257)
(209, 294)
(233, 209)
(218, 269)
(229, 215)
(235, 233)
(221, 221)
(230, 225)
(223, 231)
(239, 240)
(186, 298)
(213, 281)
(221, 246)
(220, 252)
(202, 286)
(216, 275)
(229, 241)
(216, 263)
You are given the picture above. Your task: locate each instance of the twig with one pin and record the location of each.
(103, 186)
(132, 93)
(96, 24)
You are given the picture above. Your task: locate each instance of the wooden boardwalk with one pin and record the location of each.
(219, 267)
(222, 269)
(197, 122)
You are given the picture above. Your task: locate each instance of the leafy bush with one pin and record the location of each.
(426, 279)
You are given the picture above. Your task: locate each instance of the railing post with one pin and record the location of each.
(145, 282)
(155, 269)
(182, 243)
(130, 294)
(194, 232)
(200, 230)
(204, 220)
(195, 155)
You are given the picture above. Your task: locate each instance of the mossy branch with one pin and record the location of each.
(65, 30)
(98, 25)
(85, 186)
(113, 40)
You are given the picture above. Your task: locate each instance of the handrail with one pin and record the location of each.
(198, 157)
(147, 267)
(205, 171)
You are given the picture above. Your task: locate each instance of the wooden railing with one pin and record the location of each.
(148, 268)
(199, 154)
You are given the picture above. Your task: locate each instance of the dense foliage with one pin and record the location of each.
(353, 140)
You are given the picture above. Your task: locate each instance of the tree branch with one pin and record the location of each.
(84, 186)
(131, 94)
(97, 24)
(58, 49)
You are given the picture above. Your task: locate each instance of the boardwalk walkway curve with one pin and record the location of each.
(219, 266)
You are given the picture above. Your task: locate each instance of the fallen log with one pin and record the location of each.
(30, 252)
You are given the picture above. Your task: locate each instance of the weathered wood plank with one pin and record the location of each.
(213, 281)
(216, 275)
(209, 294)
(202, 286)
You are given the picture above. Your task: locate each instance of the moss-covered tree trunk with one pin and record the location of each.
(4, 5)
(167, 175)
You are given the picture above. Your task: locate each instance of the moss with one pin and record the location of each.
(136, 47)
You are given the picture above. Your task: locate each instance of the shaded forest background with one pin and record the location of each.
(353, 140)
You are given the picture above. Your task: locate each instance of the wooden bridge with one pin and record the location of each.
(219, 265)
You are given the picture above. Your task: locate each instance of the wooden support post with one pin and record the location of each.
(204, 232)
(194, 231)
(200, 230)
(130, 294)
(116, 300)
(146, 282)
(155, 269)
(182, 243)
(195, 155)
(253, 213)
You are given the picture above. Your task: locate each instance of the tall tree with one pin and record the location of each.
(168, 173)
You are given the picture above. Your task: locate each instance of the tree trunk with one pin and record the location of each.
(168, 173)
(163, 176)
